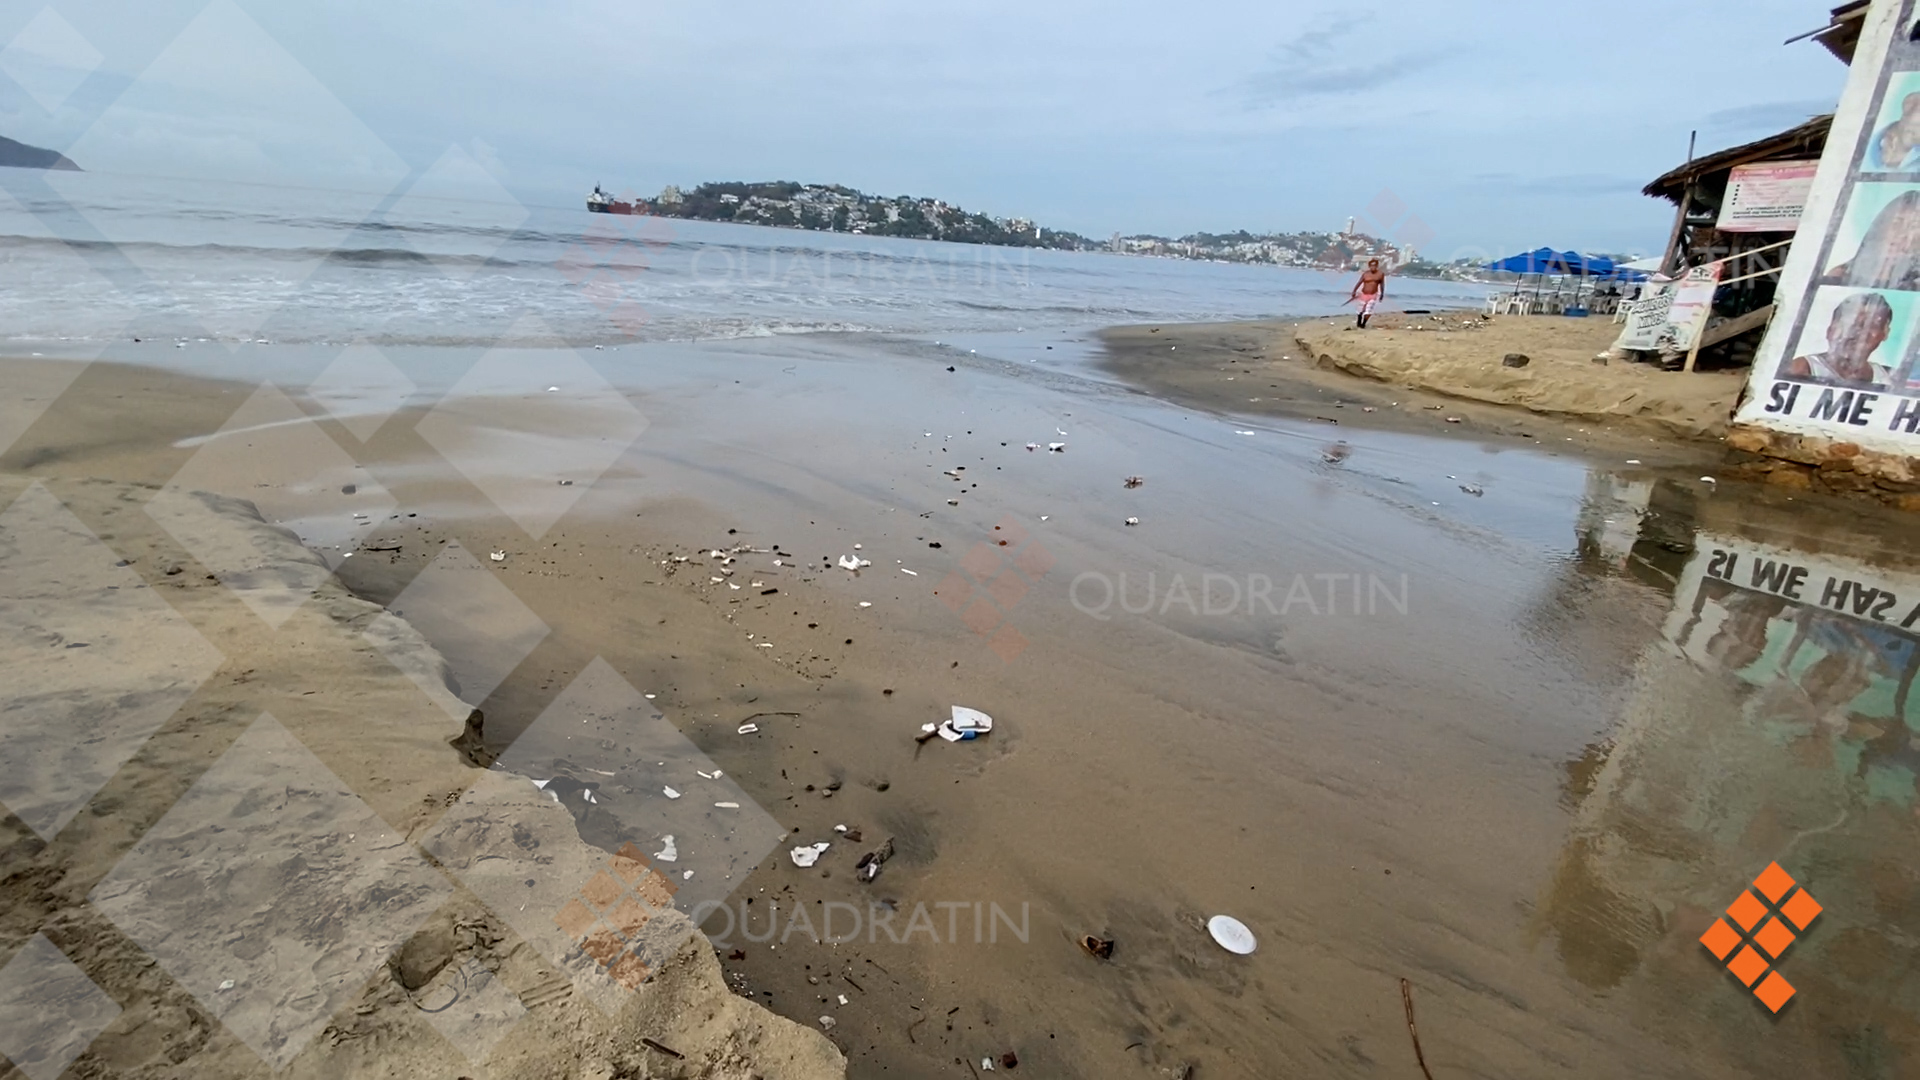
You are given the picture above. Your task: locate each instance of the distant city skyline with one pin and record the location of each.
(1487, 133)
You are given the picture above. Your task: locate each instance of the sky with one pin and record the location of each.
(1474, 127)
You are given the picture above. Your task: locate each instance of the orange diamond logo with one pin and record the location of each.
(1773, 883)
(1801, 910)
(1763, 932)
(1747, 965)
(628, 893)
(1747, 910)
(1774, 992)
(1720, 939)
(1774, 938)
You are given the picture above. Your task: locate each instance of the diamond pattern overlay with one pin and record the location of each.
(73, 618)
(1773, 934)
(994, 576)
(271, 454)
(532, 450)
(458, 190)
(474, 621)
(604, 754)
(470, 1007)
(225, 102)
(362, 390)
(270, 892)
(49, 59)
(49, 1010)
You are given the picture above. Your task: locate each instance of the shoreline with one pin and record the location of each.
(1316, 367)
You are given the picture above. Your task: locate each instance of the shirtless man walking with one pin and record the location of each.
(1369, 290)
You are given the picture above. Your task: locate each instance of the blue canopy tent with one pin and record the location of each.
(1546, 262)
(1549, 261)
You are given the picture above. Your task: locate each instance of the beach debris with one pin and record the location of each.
(226, 984)
(1133, 521)
(909, 573)
(686, 875)
(986, 1064)
(658, 1046)
(1098, 947)
(553, 389)
(1708, 480)
(808, 854)
(667, 852)
(953, 502)
(866, 603)
(1368, 408)
(868, 867)
(853, 562)
(497, 556)
(1231, 934)
(839, 828)
(1237, 432)
(826, 1023)
(1413, 1032)
(1008, 1060)
(1033, 446)
(1133, 481)
(964, 724)
(1335, 453)
(1453, 419)
(843, 998)
(669, 793)
(747, 729)
(728, 805)
(1056, 448)
(1473, 489)
(1516, 360)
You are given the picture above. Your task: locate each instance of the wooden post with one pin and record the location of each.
(1679, 223)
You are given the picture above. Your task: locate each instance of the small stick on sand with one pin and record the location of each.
(667, 1050)
(1406, 998)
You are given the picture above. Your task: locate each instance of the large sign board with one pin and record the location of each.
(1839, 359)
(1767, 197)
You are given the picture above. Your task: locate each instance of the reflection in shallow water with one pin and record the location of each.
(1773, 720)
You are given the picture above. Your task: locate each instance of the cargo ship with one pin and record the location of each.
(602, 203)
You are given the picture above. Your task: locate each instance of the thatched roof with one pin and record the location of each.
(1842, 32)
(1804, 141)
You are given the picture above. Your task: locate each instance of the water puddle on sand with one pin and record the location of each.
(1520, 745)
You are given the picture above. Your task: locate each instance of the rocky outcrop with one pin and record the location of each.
(18, 155)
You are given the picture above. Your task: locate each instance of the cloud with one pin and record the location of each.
(1314, 64)
(1767, 116)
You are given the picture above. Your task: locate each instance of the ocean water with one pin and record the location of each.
(93, 257)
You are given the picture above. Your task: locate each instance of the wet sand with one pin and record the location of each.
(1400, 765)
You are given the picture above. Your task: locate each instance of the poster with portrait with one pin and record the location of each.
(1838, 360)
(1894, 144)
(1855, 339)
(1843, 634)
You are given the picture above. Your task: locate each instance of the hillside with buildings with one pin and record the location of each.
(835, 208)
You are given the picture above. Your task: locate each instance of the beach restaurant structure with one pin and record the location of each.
(1739, 205)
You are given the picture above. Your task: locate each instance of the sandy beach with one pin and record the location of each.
(1368, 754)
(1406, 368)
